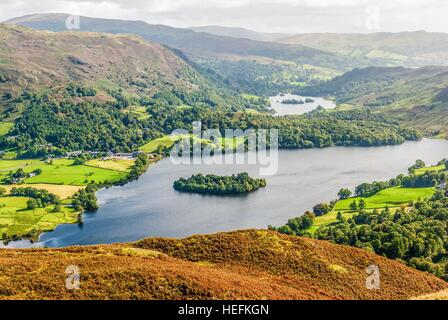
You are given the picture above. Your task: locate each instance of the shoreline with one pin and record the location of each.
(152, 161)
(34, 237)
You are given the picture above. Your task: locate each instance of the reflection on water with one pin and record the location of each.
(151, 207)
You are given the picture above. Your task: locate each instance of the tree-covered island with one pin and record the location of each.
(213, 184)
(297, 101)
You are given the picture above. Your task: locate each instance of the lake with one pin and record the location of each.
(151, 207)
(282, 109)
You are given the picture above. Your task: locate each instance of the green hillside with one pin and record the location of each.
(228, 57)
(96, 68)
(194, 43)
(417, 97)
(236, 32)
(412, 49)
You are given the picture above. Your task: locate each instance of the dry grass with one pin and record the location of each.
(307, 264)
(238, 265)
(63, 191)
(112, 164)
(441, 295)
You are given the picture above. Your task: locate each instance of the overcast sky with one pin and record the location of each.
(287, 16)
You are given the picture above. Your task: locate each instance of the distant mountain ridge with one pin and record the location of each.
(330, 50)
(411, 49)
(197, 43)
(240, 33)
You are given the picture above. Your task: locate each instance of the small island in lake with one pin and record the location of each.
(297, 101)
(292, 101)
(219, 185)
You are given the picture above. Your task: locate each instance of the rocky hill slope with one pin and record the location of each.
(42, 60)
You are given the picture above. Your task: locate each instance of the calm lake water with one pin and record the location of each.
(151, 207)
(289, 109)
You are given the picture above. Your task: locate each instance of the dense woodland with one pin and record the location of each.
(417, 97)
(417, 236)
(219, 185)
(356, 83)
(85, 199)
(315, 130)
(54, 127)
(262, 79)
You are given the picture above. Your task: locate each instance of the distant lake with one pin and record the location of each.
(150, 207)
(291, 109)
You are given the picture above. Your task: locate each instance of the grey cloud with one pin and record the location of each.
(290, 16)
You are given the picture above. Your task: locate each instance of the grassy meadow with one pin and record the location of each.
(328, 219)
(60, 177)
(250, 96)
(122, 165)
(165, 141)
(392, 198)
(5, 127)
(168, 141)
(139, 112)
(63, 172)
(430, 169)
(17, 221)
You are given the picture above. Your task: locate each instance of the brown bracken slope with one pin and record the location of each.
(41, 61)
(249, 264)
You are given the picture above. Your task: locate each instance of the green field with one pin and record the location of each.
(17, 221)
(61, 171)
(391, 197)
(430, 169)
(232, 143)
(7, 165)
(252, 111)
(5, 127)
(75, 175)
(168, 141)
(328, 219)
(112, 164)
(250, 97)
(59, 177)
(184, 106)
(139, 112)
(298, 83)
